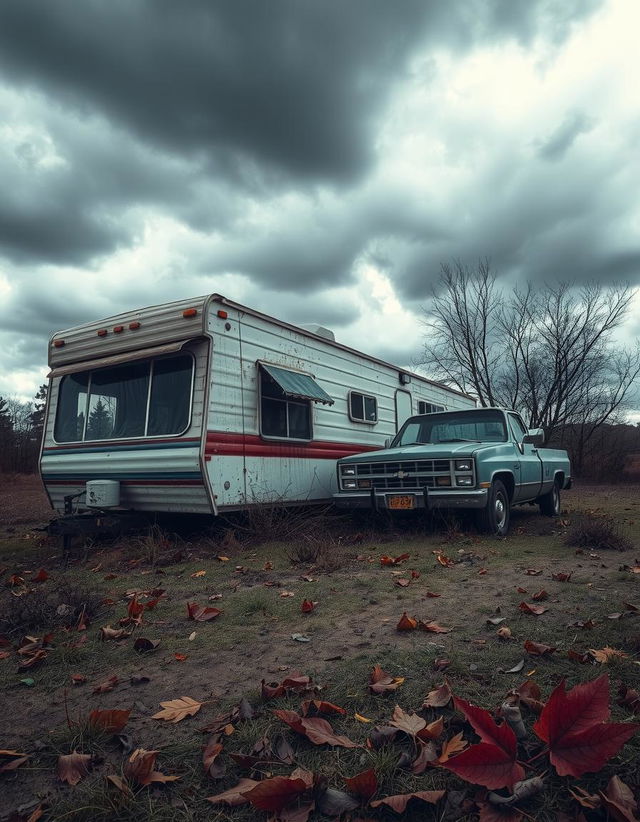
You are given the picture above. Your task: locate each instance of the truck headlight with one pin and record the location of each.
(349, 484)
(464, 480)
(464, 465)
(348, 470)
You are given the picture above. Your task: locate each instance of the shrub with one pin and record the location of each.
(597, 533)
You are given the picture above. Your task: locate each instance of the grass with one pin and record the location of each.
(336, 564)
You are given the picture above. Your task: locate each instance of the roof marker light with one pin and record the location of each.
(222, 314)
(190, 312)
(118, 329)
(134, 326)
(58, 343)
(102, 332)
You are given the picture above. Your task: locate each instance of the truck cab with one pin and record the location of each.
(482, 459)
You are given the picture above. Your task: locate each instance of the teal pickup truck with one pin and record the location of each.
(483, 459)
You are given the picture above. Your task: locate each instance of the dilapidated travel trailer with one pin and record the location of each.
(205, 406)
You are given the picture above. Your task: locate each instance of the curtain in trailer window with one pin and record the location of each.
(118, 402)
(170, 396)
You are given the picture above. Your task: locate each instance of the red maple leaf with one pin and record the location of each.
(574, 726)
(492, 762)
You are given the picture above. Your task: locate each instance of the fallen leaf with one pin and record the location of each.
(406, 623)
(120, 784)
(540, 596)
(78, 679)
(433, 627)
(439, 697)
(516, 668)
(529, 694)
(410, 724)
(198, 574)
(504, 633)
(452, 746)
(175, 710)
(73, 767)
(431, 595)
(385, 560)
(538, 648)
(521, 590)
(533, 572)
(363, 784)
(234, 796)
(319, 706)
(399, 802)
(317, 730)
(111, 721)
(573, 724)
(180, 657)
(140, 768)
(13, 760)
(199, 614)
(444, 560)
(209, 758)
(360, 718)
(106, 686)
(628, 698)
(145, 646)
(560, 577)
(606, 655)
(41, 576)
(276, 792)
(495, 620)
(380, 682)
(307, 606)
(619, 801)
(107, 632)
(536, 610)
(285, 594)
(441, 663)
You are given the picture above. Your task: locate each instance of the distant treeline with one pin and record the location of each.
(21, 426)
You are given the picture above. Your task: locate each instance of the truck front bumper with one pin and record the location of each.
(428, 498)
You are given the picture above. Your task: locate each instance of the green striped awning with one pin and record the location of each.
(300, 386)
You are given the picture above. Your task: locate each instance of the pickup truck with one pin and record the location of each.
(484, 459)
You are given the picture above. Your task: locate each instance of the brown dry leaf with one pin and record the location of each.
(444, 560)
(538, 648)
(560, 577)
(529, 694)
(540, 596)
(406, 623)
(441, 663)
(285, 594)
(140, 768)
(411, 723)
(380, 682)
(197, 574)
(434, 730)
(431, 595)
(399, 802)
(628, 698)
(619, 801)
(200, 614)
(533, 572)
(73, 767)
(433, 627)
(521, 590)
(403, 582)
(504, 632)
(439, 697)
(606, 655)
(120, 784)
(14, 760)
(106, 686)
(175, 710)
(209, 756)
(385, 560)
(319, 706)
(452, 746)
(234, 796)
(112, 721)
(536, 610)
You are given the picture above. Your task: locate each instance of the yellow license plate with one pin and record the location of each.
(401, 503)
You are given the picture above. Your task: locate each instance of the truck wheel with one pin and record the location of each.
(550, 503)
(494, 519)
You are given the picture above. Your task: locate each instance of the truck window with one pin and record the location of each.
(141, 399)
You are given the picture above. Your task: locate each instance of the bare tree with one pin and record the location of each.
(548, 352)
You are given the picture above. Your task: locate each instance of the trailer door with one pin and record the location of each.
(403, 407)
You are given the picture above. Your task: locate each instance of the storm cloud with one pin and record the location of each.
(318, 160)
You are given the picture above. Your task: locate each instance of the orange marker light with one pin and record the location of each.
(190, 312)
(222, 314)
(58, 343)
(118, 329)
(102, 332)
(133, 326)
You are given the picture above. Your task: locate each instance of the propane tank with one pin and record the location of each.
(103, 493)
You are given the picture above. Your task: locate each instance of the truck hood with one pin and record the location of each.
(439, 451)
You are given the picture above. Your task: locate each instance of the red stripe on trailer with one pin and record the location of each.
(225, 444)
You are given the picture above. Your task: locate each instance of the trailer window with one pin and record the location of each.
(363, 407)
(282, 416)
(142, 399)
(429, 407)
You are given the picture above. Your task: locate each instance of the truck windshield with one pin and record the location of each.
(481, 425)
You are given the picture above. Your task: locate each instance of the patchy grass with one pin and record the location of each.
(249, 573)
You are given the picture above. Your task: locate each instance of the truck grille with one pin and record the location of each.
(402, 475)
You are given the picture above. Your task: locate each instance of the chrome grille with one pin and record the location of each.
(406, 474)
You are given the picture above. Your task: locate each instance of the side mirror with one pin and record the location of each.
(535, 436)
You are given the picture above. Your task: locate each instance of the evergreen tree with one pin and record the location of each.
(100, 422)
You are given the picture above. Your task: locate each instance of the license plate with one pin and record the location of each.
(401, 503)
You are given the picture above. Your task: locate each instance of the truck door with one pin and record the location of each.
(403, 408)
(529, 481)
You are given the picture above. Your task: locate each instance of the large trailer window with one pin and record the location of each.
(144, 399)
(282, 416)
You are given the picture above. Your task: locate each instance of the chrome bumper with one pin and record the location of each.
(435, 498)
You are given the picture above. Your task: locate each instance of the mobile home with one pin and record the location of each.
(205, 406)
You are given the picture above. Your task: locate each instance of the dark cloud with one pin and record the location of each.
(562, 138)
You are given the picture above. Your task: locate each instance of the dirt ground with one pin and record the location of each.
(260, 584)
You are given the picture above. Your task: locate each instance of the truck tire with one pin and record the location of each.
(550, 503)
(494, 519)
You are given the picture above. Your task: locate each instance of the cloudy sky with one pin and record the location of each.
(317, 159)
